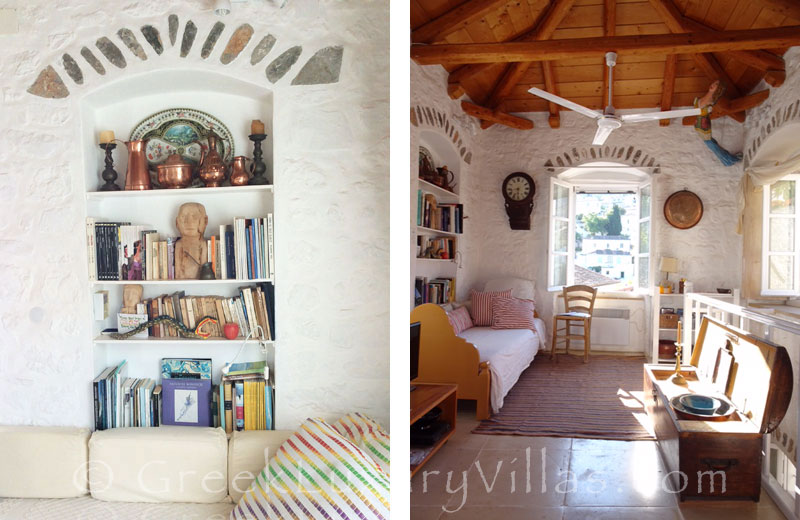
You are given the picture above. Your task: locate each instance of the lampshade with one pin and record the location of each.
(668, 264)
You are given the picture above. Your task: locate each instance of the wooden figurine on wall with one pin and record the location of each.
(518, 190)
(191, 250)
(131, 297)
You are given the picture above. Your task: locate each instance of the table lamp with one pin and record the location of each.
(668, 265)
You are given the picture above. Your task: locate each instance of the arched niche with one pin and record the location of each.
(444, 154)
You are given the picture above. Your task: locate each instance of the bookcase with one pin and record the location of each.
(119, 107)
(442, 233)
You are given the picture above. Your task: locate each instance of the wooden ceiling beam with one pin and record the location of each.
(514, 72)
(714, 71)
(733, 108)
(544, 28)
(668, 88)
(609, 29)
(550, 85)
(496, 116)
(636, 45)
(453, 20)
(788, 8)
(775, 78)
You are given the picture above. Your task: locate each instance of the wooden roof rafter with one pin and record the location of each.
(453, 20)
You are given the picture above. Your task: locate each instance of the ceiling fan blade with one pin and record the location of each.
(601, 135)
(565, 103)
(652, 116)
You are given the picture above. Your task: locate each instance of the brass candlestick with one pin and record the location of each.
(677, 378)
(109, 174)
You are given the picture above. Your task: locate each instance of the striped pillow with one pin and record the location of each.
(513, 313)
(459, 319)
(317, 474)
(482, 305)
(368, 435)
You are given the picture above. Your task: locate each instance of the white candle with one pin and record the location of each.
(106, 136)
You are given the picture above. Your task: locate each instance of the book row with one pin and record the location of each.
(441, 217)
(436, 290)
(254, 307)
(185, 397)
(243, 250)
(436, 247)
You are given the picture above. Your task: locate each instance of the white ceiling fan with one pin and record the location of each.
(607, 121)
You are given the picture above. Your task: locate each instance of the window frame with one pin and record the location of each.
(766, 253)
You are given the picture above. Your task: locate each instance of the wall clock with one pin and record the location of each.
(518, 191)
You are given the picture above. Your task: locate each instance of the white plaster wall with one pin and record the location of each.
(331, 204)
(429, 88)
(778, 99)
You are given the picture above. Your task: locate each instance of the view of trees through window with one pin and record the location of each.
(604, 248)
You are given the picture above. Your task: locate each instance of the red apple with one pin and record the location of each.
(231, 330)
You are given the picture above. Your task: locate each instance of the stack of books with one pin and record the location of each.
(121, 402)
(243, 250)
(434, 215)
(436, 290)
(247, 397)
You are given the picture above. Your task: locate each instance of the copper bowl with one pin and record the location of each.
(174, 173)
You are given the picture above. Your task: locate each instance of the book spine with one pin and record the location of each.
(269, 423)
(223, 268)
(98, 423)
(90, 249)
(171, 258)
(230, 255)
(271, 246)
(228, 404)
(239, 404)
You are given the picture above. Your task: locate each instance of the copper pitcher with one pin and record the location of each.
(211, 170)
(138, 177)
(239, 176)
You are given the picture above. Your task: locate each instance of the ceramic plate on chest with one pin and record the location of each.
(182, 131)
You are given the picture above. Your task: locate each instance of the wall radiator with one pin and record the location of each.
(611, 327)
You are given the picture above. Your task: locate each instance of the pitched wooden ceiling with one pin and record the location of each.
(659, 79)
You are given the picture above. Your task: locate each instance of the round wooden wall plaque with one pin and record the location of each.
(683, 209)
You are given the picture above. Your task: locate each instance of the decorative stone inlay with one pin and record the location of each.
(153, 38)
(173, 28)
(92, 60)
(188, 38)
(323, 67)
(783, 115)
(630, 155)
(71, 66)
(262, 49)
(281, 65)
(432, 117)
(111, 52)
(211, 40)
(130, 41)
(238, 41)
(49, 85)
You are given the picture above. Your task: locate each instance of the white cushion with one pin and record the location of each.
(165, 464)
(248, 453)
(43, 461)
(520, 287)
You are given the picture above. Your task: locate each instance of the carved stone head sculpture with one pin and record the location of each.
(191, 251)
(131, 296)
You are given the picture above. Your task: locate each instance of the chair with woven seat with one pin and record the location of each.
(578, 307)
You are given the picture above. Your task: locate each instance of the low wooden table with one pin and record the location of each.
(425, 398)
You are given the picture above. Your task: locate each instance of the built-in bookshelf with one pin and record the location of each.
(437, 224)
(120, 107)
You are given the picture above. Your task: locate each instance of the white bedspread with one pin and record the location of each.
(508, 351)
(87, 508)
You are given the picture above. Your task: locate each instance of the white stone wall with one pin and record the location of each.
(331, 176)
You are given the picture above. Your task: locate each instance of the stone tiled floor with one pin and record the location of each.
(543, 478)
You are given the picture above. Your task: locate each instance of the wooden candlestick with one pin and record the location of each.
(109, 173)
(258, 168)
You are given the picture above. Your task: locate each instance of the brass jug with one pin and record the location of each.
(239, 176)
(138, 177)
(211, 170)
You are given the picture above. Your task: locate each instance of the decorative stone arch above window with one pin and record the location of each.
(781, 117)
(323, 67)
(422, 116)
(628, 154)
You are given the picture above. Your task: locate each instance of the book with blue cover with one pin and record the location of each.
(186, 402)
(186, 368)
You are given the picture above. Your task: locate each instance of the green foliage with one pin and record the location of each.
(609, 224)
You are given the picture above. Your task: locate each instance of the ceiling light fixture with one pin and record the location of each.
(222, 7)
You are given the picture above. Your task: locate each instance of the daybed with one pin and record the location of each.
(484, 362)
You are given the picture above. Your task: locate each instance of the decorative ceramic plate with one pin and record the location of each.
(181, 130)
(719, 413)
(683, 209)
(426, 165)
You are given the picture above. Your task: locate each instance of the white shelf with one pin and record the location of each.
(436, 190)
(450, 260)
(106, 340)
(181, 282)
(421, 230)
(225, 190)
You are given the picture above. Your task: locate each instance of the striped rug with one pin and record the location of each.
(601, 399)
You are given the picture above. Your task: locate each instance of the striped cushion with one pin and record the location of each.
(368, 435)
(459, 319)
(317, 474)
(513, 313)
(482, 305)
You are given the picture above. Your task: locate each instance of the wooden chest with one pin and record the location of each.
(720, 459)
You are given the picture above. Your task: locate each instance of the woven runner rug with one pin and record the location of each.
(602, 399)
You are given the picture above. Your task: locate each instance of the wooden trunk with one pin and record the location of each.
(714, 459)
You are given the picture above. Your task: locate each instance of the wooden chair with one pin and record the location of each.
(578, 307)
